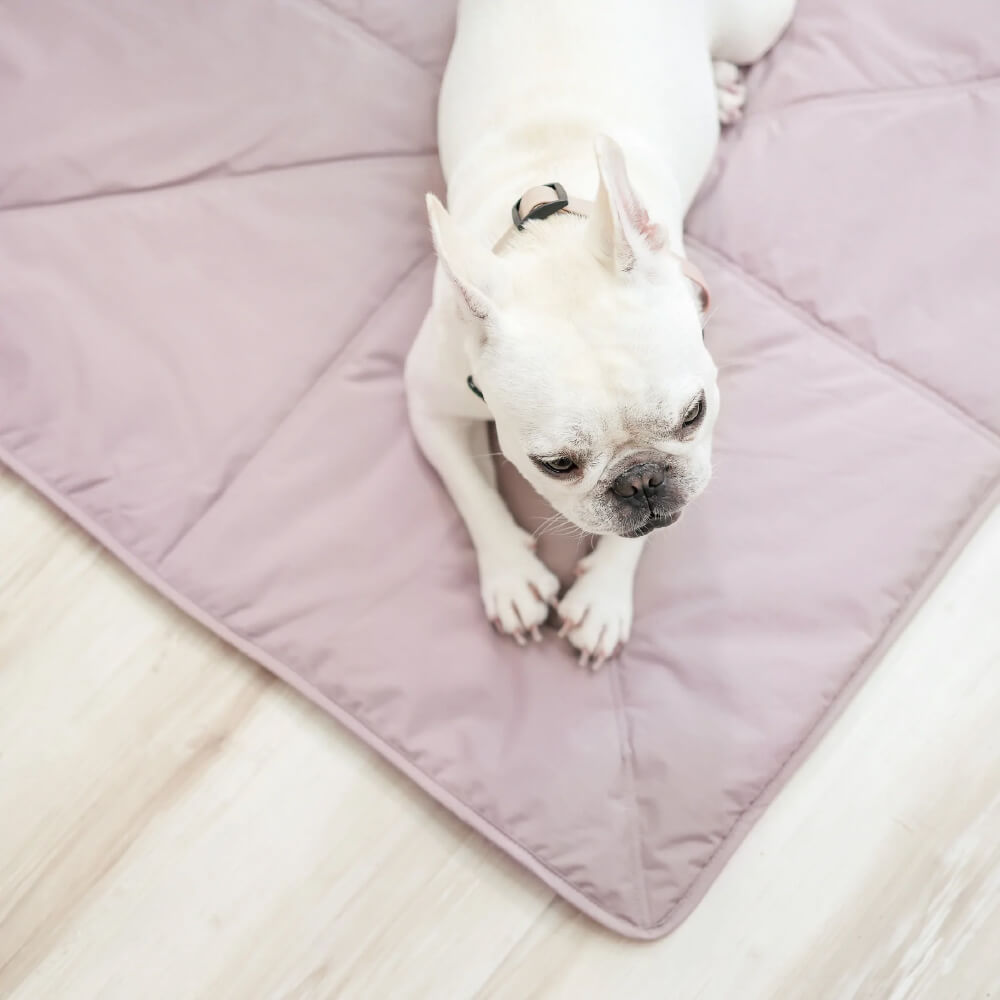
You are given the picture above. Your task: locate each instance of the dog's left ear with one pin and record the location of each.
(475, 271)
(620, 229)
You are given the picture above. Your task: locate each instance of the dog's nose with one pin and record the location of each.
(641, 480)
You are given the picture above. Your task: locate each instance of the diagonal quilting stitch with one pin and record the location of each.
(836, 336)
(623, 723)
(878, 95)
(362, 29)
(211, 174)
(234, 477)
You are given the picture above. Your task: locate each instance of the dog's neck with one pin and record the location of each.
(507, 165)
(541, 202)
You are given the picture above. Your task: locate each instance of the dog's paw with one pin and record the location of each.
(730, 90)
(597, 611)
(518, 590)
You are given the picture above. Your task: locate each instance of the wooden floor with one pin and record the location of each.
(175, 824)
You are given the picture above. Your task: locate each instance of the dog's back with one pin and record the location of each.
(529, 84)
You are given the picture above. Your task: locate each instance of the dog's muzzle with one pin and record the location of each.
(652, 524)
(645, 490)
(641, 484)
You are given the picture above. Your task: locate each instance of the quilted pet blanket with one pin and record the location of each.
(213, 257)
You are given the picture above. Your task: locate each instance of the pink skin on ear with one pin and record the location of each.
(468, 266)
(621, 225)
(622, 228)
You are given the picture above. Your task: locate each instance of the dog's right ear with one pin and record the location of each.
(620, 229)
(474, 271)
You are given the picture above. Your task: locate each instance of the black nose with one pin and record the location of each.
(640, 481)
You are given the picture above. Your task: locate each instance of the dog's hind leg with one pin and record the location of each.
(730, 91)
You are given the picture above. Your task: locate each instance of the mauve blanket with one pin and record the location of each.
(213, 257)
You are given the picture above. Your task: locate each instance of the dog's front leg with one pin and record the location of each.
(517, 588)
(597, 609)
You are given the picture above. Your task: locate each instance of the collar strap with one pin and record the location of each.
(539, 203)
(551, 199)
(471, 383)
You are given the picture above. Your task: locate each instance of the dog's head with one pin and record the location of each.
(586, 342)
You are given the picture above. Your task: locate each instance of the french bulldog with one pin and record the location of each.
(576, 325)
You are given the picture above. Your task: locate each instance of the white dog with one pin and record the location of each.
(576, 326)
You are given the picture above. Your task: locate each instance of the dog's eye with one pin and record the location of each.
(558, 466)
(694, 412)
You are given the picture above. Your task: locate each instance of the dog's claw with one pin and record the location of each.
(536, 634)
(519, 638)
(552, 601)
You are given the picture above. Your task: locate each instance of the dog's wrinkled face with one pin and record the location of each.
(605, 404)
(588, 348)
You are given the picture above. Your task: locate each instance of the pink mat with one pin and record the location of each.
(213, 256)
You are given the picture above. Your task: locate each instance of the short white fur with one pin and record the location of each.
(584, 336)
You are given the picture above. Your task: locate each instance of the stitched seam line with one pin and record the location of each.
(211, 174)
(632, 798)
(836, 336)
(879, 95)
(362, 29)
(220, 494)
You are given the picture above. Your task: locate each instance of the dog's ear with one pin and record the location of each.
(620, 229)
(474, 271)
